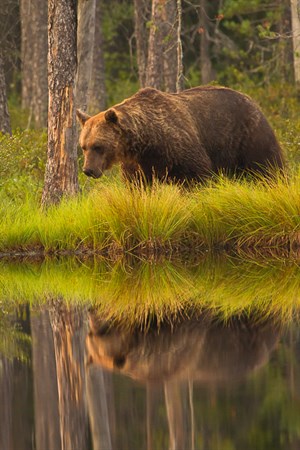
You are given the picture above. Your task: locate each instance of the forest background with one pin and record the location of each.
(59, 55)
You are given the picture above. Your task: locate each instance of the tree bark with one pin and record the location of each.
(154, 75)
(85, 39)
(4, 115)
(141, 18)
(26, 52)
(61, 176)
(295, 15)
(205, 62)
(39, 62)
(97, 92)
(170, 46)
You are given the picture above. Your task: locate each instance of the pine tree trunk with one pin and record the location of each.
(295, 15)
(154, 75)
(39, 62)
(61, 176)
(141, 17)
(85, 39)
(97, 92)
(26, 52)
(206, 66)
(170, 46)
(4, 115)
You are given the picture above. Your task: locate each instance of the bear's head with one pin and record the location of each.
(102, 141)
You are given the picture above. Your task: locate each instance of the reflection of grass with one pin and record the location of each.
(140, 291)
(131, 218)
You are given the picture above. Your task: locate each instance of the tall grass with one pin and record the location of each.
(253, 214)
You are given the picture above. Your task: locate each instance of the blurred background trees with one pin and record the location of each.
(134, 43)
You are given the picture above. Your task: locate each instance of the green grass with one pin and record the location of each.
(118, 217)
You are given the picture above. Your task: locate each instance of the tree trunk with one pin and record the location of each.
(4, 115)
(295, 15)
(39, 62)
(170, 46)
(61, 176)
(97, 93)
(85, 39)
(206, 66)
(154, 75)
(26, 52)
(141, 18)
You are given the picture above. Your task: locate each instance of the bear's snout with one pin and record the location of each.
(91, 173)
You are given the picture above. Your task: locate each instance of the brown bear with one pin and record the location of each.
(185, 136)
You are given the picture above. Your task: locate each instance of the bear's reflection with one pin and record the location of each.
(200, 348)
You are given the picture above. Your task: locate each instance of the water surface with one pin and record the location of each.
(150, 355)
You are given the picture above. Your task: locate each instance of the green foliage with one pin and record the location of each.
(22, 162)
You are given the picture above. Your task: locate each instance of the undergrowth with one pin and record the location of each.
(257, 213)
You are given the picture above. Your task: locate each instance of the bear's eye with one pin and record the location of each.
(97, 148)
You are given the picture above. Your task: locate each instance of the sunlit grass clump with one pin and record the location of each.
(118, 217)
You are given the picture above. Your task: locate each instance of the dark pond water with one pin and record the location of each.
(82, 383)
(205, 357)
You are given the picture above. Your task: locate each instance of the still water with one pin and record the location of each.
(154, 356)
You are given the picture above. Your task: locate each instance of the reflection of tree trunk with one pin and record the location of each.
(97, 92)
(151, 412)
(45, 384)
(100, 420)
(5, 403)
(68, 333)
(176, 395)
(85, 39)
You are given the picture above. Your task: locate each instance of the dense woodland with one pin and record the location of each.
(101, 51)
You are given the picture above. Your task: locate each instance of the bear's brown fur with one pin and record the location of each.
(184, 136)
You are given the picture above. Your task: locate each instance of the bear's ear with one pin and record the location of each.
(111, 116)
(82, 117)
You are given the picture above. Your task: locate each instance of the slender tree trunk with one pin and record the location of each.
(154, 75)
(85, 39)
(4, 115)
(26, 52)
(97, 92)
(68, 334)
(61, 176)
(295, 15)
(180, 76)
(141, 18)
(47, 432)
(206, 66)
(39, 62)
(170, 46)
